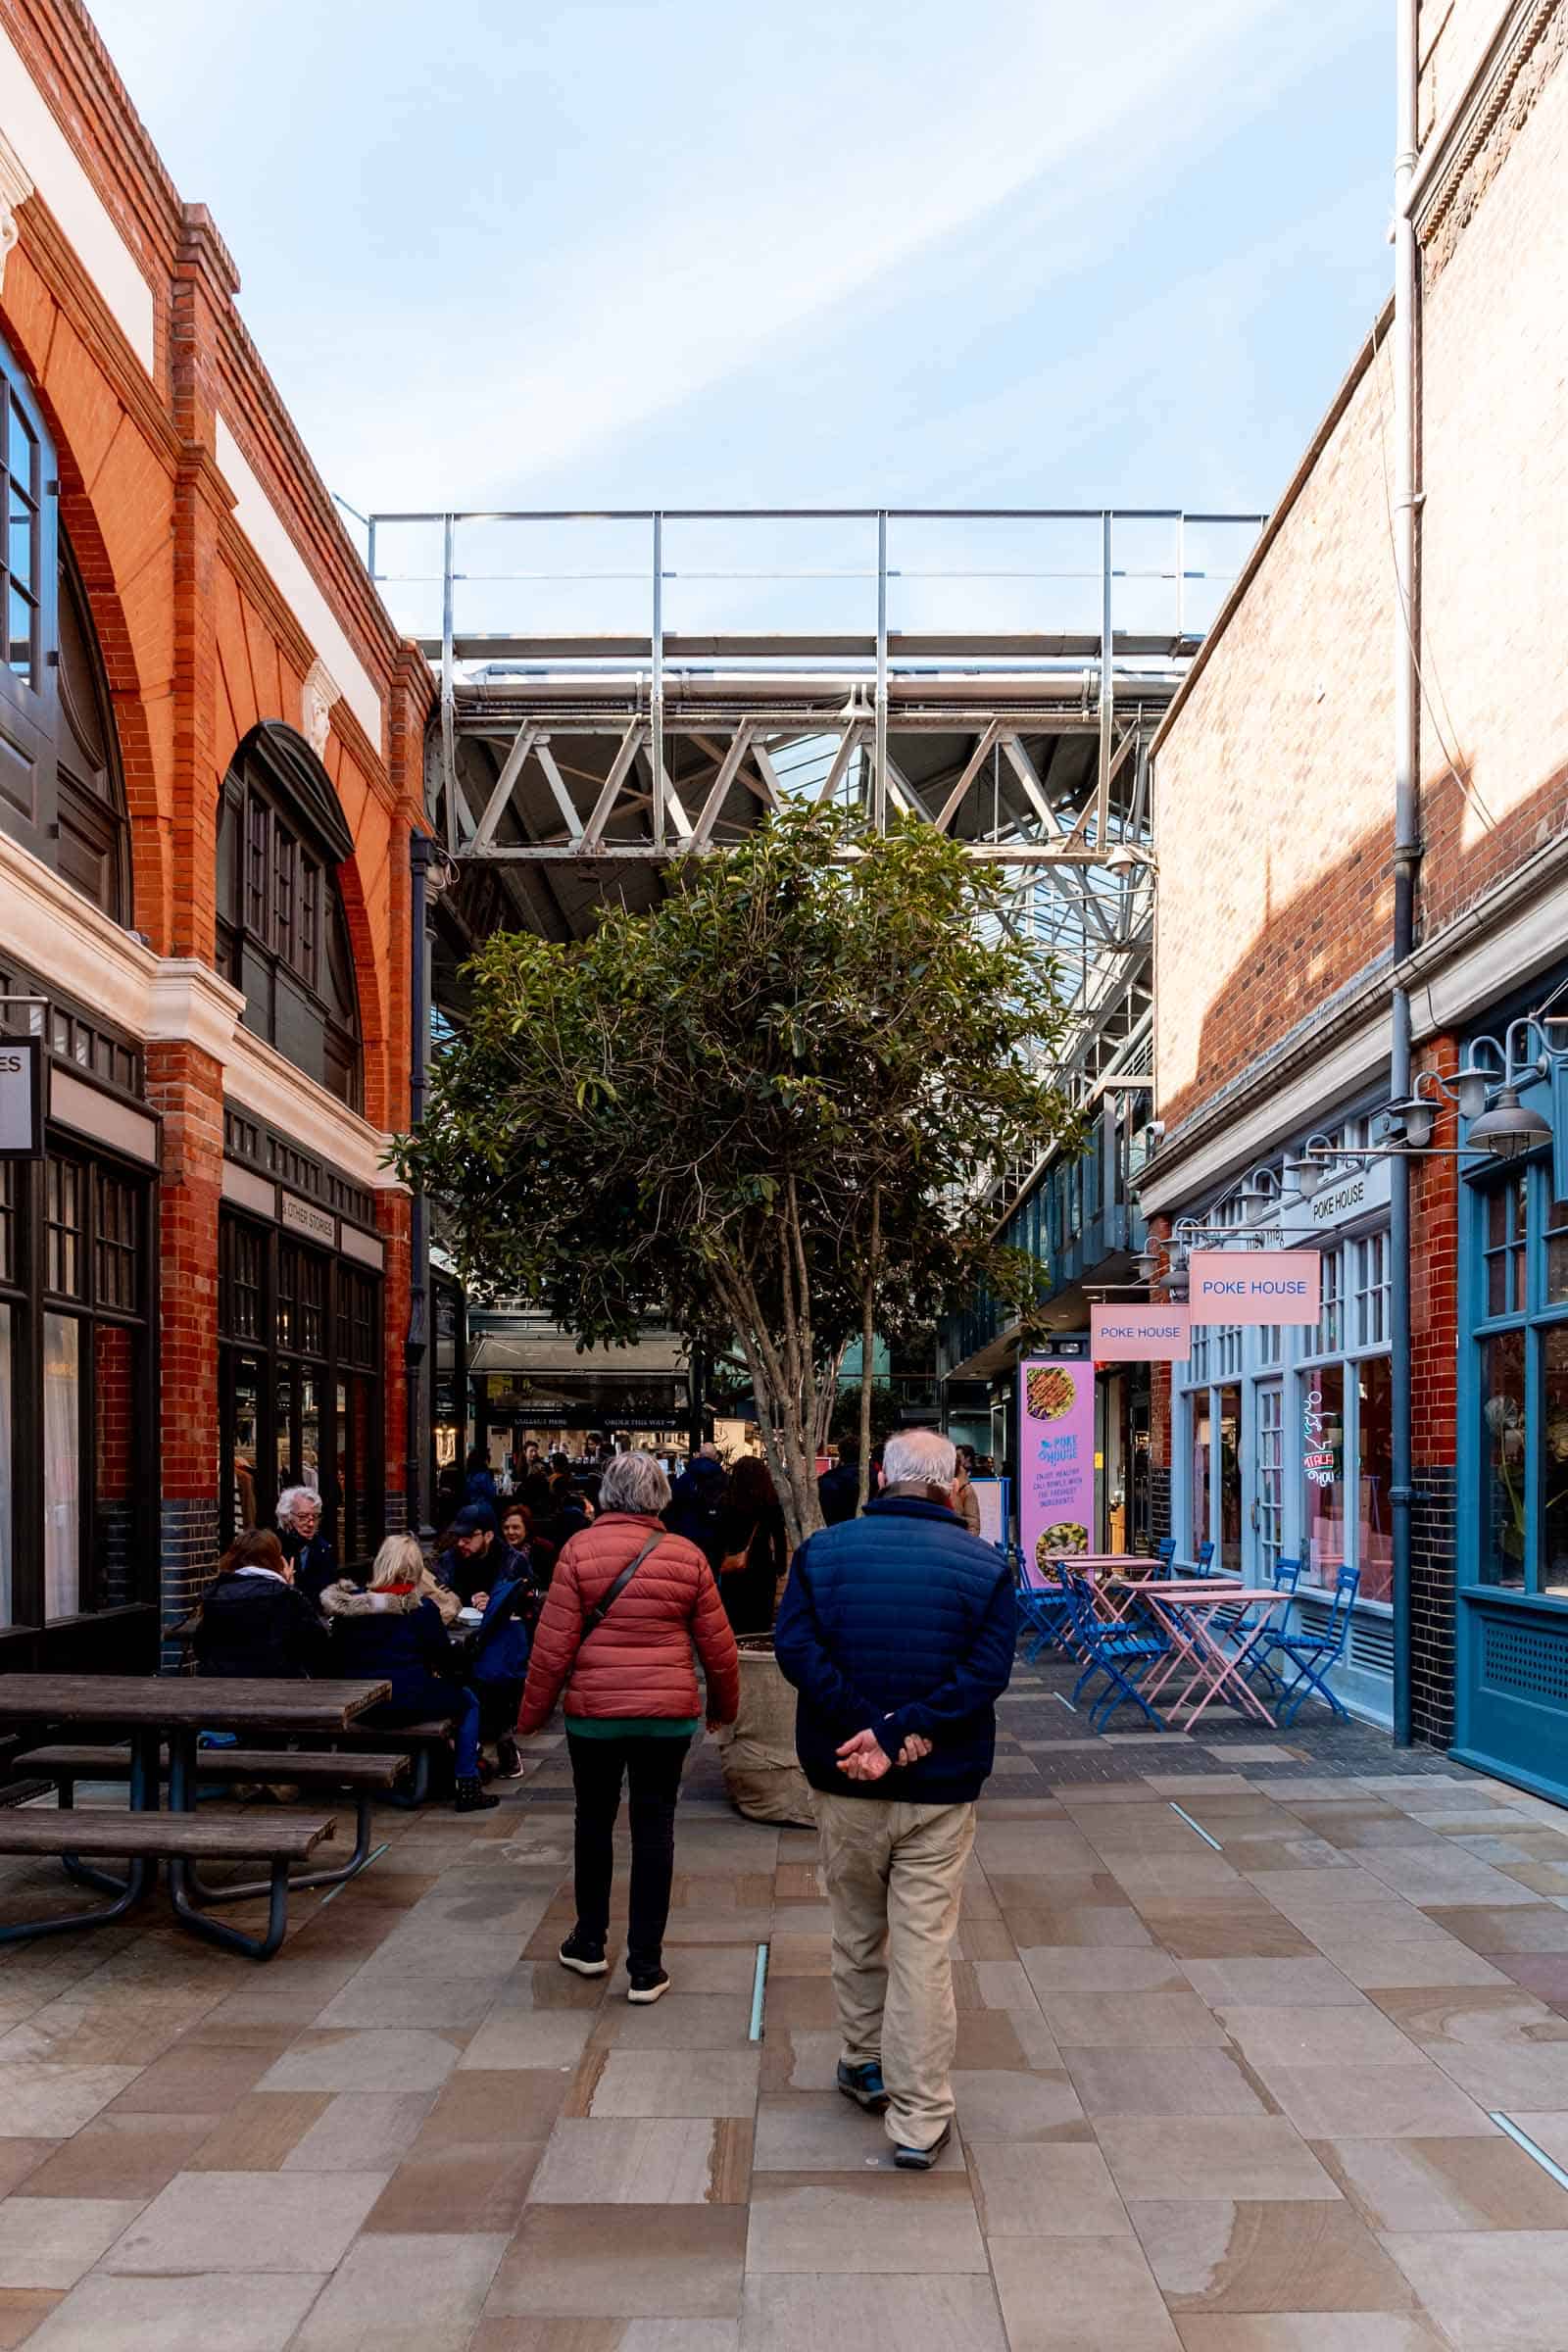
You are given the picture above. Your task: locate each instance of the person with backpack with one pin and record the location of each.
(614, 1642)
(498, 1655)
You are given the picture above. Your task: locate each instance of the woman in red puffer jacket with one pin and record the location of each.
(631, 1703)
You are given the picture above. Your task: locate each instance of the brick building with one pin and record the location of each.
(1276, 960)
(210, 748)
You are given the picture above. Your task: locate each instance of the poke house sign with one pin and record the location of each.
(1139, 1335)
(1256, 1285)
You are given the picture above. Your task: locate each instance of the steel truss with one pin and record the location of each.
(567, 768)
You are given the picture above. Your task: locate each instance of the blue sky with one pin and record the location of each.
(671, 251)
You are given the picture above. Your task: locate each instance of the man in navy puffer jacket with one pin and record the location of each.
(898, 1631)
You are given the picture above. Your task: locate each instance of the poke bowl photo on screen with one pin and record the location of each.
(1051, 1542)
(1050, 1392)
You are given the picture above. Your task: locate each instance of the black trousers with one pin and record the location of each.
(651, 1769)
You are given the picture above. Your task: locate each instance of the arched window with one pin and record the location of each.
(61, 795)
(282, 938)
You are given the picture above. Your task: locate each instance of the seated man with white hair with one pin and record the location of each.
(898, 1631)
(304, 1541)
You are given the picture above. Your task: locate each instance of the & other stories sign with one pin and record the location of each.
(21, 1098)
(1256, 1285)
(1139, 1335)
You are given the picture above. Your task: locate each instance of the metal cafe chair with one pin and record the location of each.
(1238, 1623)
(1044, 1610)
(1311, 1655)
(1119, 1650)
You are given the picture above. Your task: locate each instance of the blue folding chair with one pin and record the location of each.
(1045, 1612)
(1311, 1655)
(1117, 1649)
(1237, 1624)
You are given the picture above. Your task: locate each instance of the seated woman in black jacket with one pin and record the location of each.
(252, 1620)
(389, 1630)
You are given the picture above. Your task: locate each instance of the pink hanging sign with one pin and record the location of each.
(1256, 1285)
(1141, 1334)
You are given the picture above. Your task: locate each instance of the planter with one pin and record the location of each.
(757, 1751)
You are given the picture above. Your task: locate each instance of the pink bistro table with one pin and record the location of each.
(1182, 1610)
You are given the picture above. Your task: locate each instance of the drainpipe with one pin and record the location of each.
(1406, 824)
(417, 1346)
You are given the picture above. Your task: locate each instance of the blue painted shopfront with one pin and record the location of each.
(1511, 1563)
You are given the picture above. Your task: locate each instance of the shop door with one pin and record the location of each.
(1268, 1504)
(248, 1493)
(1229, 1470)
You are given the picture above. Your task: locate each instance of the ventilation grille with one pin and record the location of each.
(1525, 1661)
(1372, 1643)
(1371, 1636)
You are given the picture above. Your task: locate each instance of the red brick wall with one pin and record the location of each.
(201, 643)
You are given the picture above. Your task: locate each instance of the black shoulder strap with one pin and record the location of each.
(602, 1609)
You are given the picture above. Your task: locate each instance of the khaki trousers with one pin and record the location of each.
(894, 1875)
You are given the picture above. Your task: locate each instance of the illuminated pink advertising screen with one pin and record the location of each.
(1055, 1457)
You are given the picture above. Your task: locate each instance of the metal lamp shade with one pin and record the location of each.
(1509, 1129)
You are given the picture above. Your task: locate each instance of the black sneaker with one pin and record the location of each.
(508, 1759)
(472, 1799)
(582, 1956)
(647, 1985)
(864, 2085)
(920, 2159)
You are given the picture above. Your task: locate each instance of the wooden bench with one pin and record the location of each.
(144, 1840)
(415, 1741)
(367, 1777)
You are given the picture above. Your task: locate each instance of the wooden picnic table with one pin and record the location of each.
(174, 1711)
(178, 1707)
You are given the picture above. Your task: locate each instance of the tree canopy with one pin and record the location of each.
(758, 1112)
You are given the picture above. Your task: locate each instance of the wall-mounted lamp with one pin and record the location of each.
(1509, 1129)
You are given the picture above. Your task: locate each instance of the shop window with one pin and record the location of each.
(1323, 1469)
(282, 934)
(1556, 1253)
(1375, 1477)
(1552, 1539)
(62, 794)
(1329, 1326)
(1504, 1468)
(1227, 1350)
(1201, 1518)
(1370, 1264)
(1270, 1350)
(63, 1221)
(62, 1466)
(1504, 1254)
(1520, 1362)
(116, 1243)
(300, 1390)
(77, 1469)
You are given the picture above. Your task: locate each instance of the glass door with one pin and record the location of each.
(1269, 1507)
(1229, 1470)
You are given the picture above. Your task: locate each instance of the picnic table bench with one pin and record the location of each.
(366, 1776)
(169, 1712)
(180, 1839)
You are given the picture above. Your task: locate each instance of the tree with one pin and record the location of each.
(756, 1112)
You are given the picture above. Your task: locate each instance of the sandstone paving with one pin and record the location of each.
(1239, 2097)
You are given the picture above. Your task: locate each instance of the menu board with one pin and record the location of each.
(991, 1494)
(1055, 1457)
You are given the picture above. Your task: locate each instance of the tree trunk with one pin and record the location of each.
(868, 1345)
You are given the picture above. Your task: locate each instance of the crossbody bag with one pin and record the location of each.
(602, 1607)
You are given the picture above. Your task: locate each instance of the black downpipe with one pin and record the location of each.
(416, 1348)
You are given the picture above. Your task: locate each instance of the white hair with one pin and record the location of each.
(633, 1482)
(920, 1457)
(288, 1502)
